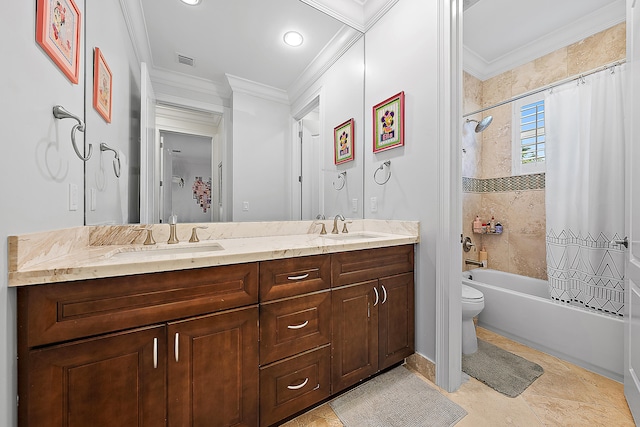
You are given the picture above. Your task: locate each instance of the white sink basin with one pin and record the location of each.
(150, 251)
(351, 236)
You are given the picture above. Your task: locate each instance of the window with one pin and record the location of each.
(528, 135)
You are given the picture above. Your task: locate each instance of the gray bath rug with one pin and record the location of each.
(501, 370)
(397, 398)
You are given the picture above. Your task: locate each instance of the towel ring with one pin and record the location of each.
(381, 167)
(341, 176)
(116, 169)
(60, 112)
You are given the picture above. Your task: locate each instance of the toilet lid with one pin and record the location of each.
(470, 293)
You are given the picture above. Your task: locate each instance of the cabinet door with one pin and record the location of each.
(115, 380)
(396, 319)
(355, 334)
(213, 370)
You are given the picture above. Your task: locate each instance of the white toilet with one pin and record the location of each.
(472, 305)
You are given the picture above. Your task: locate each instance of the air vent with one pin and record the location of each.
(182, 59)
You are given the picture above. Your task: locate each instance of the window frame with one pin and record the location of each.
(517, 167)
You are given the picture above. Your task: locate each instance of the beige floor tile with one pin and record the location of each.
(565, 395)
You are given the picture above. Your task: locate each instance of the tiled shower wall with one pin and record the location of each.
(518, 204)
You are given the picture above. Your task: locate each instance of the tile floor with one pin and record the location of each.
(565, 395)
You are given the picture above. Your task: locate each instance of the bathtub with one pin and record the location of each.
(519, 308)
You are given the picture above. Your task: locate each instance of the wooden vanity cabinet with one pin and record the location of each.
(295, 335)
(147, 350)
(373, 318)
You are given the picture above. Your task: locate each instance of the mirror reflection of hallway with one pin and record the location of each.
(188, 188)
(309, 162)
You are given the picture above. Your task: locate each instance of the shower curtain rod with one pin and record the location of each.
(551, 86)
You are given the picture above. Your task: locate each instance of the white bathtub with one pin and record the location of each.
(519, 308)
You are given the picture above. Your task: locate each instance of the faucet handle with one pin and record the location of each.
(194, 233)
(323, 230)
(149, 240)
(344, 226)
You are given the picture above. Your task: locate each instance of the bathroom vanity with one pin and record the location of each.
(242, 337)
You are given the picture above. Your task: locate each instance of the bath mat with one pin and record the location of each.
(501, 370)
(397, 398)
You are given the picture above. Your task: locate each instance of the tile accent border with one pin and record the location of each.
(509, 183)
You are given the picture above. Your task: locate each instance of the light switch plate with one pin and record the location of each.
(73, 197)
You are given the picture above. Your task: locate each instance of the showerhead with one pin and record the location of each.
(482, 124)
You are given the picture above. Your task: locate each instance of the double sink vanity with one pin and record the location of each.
(250, 325)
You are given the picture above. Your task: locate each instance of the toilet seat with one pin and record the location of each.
(471, 294)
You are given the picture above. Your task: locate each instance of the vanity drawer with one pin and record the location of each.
(294, 384)
(294, 325)
(360, 266)
(294, 276)
(63, 311)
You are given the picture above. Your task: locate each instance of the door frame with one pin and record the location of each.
(449, 257)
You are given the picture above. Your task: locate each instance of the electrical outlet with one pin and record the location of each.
(245, 206)
(354, 205)
(374, 204)
(73, 197)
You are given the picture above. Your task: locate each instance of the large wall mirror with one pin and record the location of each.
(214, 118)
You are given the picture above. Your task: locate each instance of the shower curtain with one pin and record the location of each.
(585, 156)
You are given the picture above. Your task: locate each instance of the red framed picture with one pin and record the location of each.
(388, 123)
(102, 85)
(343, 146)
(58, 33)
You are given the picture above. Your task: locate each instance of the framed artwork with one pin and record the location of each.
(58, 33)
(388, 123)
(343, 142)
(102, 86)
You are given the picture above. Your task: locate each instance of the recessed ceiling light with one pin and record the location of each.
(293, 38)
(191, 2)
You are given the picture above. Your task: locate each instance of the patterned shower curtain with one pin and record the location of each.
(585, 160)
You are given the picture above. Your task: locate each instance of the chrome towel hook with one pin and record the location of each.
(60, 112)
(116, 169)
(343, 177)
(381, 167)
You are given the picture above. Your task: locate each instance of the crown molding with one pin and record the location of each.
(358, 14)
(270, 93)
(335, 48)
(580, 29)
(137, 28)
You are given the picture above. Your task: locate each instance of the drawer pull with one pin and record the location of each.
(375, 290)
(176, 346)
(384, 295)
(298, 387)
(300, 326)
(302, 276)
(155, 353)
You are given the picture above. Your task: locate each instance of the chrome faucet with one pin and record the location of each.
(173, 238)
(335, 223)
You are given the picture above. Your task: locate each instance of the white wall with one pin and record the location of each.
(106, 29)
(341, 90)
(37, 163)
(260, 173)
(401, 55)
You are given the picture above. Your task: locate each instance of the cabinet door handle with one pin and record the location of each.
(302, 276)
(375, 290)
(300, 326)
(384, 294)
(299, 386)
(176, 345)
(155, 353)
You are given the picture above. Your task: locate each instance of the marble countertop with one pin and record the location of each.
(104, 251)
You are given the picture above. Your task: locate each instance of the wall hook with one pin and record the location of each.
(342, 176)
(60, 112)
(381, 167)
(116, 169)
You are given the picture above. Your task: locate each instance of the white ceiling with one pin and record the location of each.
(502, 34)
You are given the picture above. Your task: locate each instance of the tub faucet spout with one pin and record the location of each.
(474, 262)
